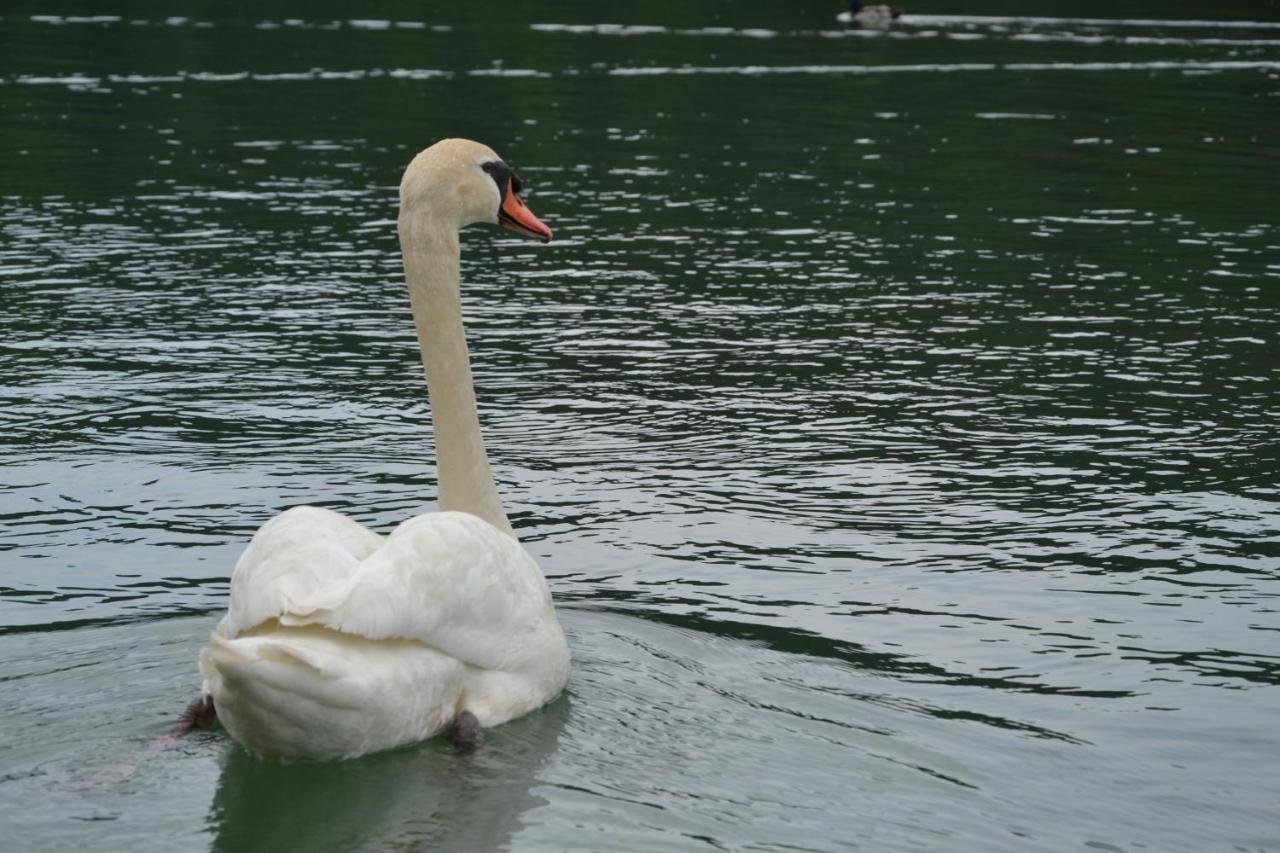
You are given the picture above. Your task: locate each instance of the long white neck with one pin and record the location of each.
(431, 261)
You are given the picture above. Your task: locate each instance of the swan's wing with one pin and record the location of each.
(300, 561)
(454, 582)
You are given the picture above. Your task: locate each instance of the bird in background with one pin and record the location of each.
(877, 16)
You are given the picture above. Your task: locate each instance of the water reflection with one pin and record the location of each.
(424, 797)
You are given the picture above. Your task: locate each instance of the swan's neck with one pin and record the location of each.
(431, 261)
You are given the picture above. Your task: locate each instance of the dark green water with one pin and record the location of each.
(894, 415)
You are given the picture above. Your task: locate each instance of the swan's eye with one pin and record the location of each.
(488, 167)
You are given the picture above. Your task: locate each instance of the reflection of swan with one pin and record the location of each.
(419, 798)
(339, 642)
(877, 17)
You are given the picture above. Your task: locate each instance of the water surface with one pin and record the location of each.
(894, 414)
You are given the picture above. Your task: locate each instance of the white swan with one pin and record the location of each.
(338, 641)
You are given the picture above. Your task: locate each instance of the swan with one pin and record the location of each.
(877, 17)
(339, 641)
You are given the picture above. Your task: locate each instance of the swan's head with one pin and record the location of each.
(461, 182)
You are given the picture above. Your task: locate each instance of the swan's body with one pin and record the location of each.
(876, 17)
(339, 641)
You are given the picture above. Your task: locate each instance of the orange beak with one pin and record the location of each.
(516, 215)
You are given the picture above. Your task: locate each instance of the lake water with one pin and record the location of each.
(894, 415)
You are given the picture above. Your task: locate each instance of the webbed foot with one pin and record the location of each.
(464, 732)
(200, 714)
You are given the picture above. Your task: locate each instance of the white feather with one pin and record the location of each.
(332, 647)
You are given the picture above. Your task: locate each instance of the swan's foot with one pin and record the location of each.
(200, 714)
(464, 731)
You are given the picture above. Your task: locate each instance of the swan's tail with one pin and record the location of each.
(311, 692)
